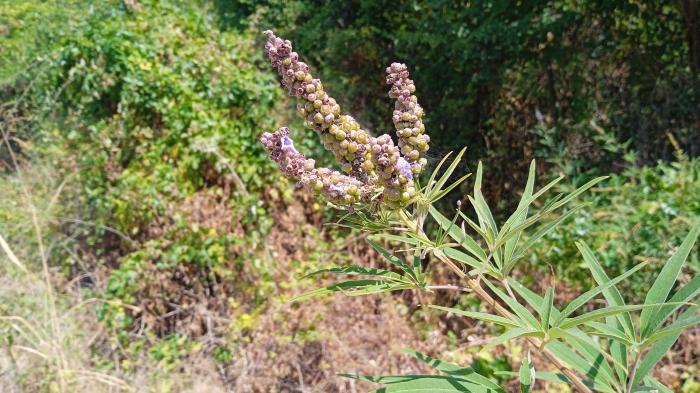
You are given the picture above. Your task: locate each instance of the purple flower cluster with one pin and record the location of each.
(407, 116)
(371, 165)
(338, 188)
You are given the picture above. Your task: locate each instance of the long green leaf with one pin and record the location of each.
(465, 373)
(358, 270)
(601, 313)
(423, 384)
(512, 334)
(527, 375)
(498, 320)
(448, 172)
(461, 257)
(605, 330)
(685, 294)
(588, 295)
(522, 312)
(538, 235)
(612, 294)
(672, 329)
(456, 233)
(392, 258)
(523, 208)
(658, 351)
(353, 288)
(545, 309)
(658, 293)
(578, 192)
(432, 384)
(581, 365)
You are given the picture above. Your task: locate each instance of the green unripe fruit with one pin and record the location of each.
(318, 118)
(339, 135)
(352, 147)
(318, 185)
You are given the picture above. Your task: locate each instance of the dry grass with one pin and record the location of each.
(46, 333)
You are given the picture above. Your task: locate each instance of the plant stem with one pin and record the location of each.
(632, 373)
(449, 287)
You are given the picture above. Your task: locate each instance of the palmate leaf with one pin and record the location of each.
(354, 288)
(658, 293)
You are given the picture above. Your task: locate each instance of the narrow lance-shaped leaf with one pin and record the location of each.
(658, 351)
(612, 294)
(496, 319)
(602, 313)
(460, 237)
(353, 288)
(358, 270)
(658, 293)
(588, 295)
(466, 373)
(392, 258)
(546, 307)
(527, 375)
(523, 207)
(686, 294)
(512, 334)
(522, 312)
(448, 172)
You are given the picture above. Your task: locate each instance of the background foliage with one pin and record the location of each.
(150, 110)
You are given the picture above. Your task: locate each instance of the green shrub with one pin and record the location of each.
(636, 216)
(160, 110)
